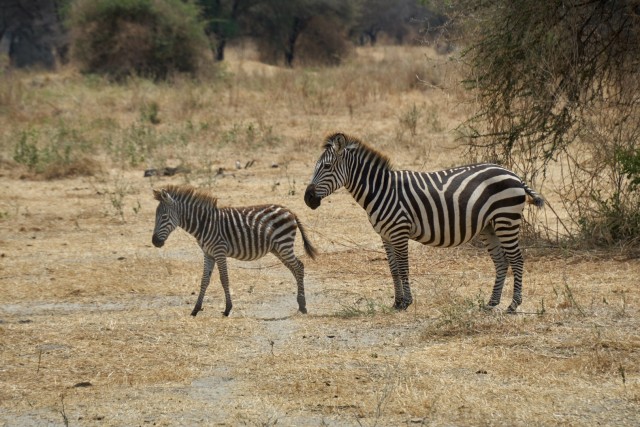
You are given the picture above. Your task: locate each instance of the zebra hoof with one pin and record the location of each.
(400, 306)
(195, 311)
(490, 305)
(511, 310)
(302, 304)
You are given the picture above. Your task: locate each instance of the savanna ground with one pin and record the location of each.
(94, 320)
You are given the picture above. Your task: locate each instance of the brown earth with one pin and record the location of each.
(95, 325)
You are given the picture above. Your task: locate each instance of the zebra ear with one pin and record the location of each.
(163, 196)
(341, 143)
(167, 197)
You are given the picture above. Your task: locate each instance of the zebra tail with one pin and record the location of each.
(308, 247)
(536, 199)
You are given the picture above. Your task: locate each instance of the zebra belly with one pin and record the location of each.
(246, 257)
(430, 241)
(238, 254)
(245, 237)
(443, 238)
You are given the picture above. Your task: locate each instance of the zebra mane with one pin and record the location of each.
(190, 194)
(363, 151)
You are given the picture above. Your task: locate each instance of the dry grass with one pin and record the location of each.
(94, 321)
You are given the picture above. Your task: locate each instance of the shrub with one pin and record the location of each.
(630, 161)
(150, 38)
(321, 44)
(614, 217)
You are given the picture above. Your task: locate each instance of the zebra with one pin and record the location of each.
(244, 233)
(442, 209)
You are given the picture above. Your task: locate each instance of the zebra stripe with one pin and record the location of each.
(244, 233)
(443, 209)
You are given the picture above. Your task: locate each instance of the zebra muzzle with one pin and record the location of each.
(310, 197)
(157, 242)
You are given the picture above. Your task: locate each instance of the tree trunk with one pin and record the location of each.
(298, 26)
(219, 52)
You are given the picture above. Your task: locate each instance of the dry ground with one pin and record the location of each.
(95, 325)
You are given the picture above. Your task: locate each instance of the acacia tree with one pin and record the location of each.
(557, 81)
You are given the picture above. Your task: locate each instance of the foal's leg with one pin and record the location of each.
(221, 260)
(289, 259)
(209, 264)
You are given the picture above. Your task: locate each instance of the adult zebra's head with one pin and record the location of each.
(330, 173)
(166, 217)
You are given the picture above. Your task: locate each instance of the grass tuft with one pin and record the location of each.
(363, 307)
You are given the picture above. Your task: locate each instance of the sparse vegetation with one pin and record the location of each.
(52, 156)
(363, 307)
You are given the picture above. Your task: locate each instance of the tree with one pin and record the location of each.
(278, 24)
(557, 81)
(224, 20)
(31, 32)
(394, 18)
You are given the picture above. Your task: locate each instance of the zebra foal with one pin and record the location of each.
(442, 209)
(244, 233)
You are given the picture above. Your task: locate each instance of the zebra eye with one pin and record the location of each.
(326, 166)
(164, 216)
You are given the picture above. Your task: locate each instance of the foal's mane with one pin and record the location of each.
(190, 194)
(364, 150)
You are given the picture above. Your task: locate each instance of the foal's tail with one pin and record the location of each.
(308, 247)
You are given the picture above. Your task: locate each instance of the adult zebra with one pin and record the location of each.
(443, 209)
(246, 233)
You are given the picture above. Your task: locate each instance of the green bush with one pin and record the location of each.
(53, 154)
(149, 38)
(630, 161)
(610, 213)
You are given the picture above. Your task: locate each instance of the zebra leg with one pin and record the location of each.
(397, 285)
(296, 267)
(399, 266)
(507, 233)
(402, 260)
(500, 262)
(514, 255)
(209, 264)
(221, 260)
